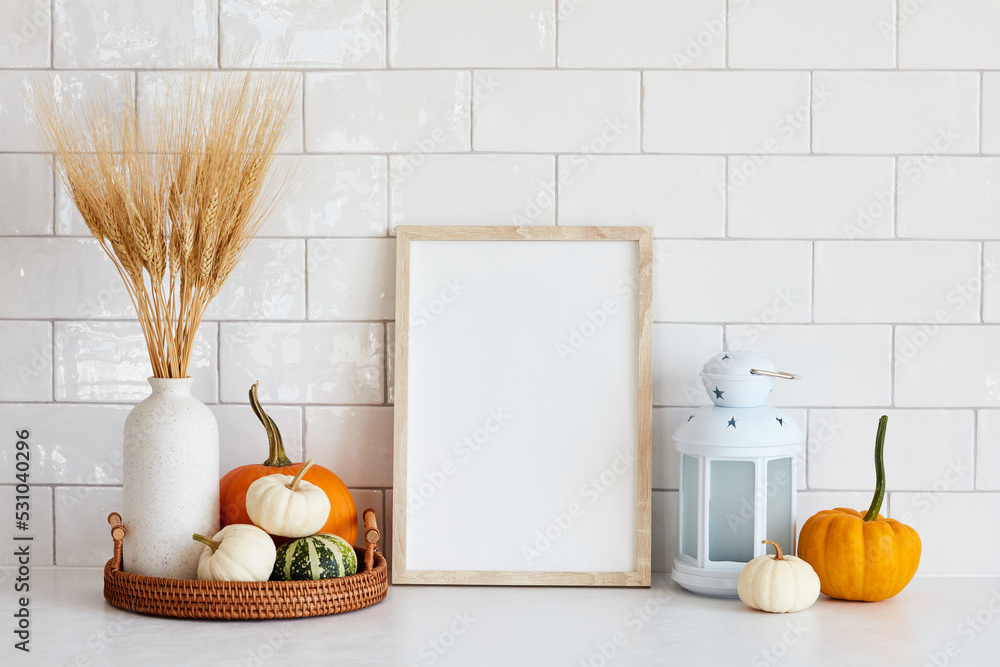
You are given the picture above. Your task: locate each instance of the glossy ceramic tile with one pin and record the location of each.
(390, 361)
(352, 279)
(331, 195)
(83, 537)
(302, 33)
(557, 111)
(303, 363)
(810, 197)
(388, 111)
(880, 281)
(243, 440)
(896, 112)
(110, 33)
(26, 190)
(760, 282)
(933, 515)
(70, 444)
(666, 533)
(948, 197)
(951, 35)
(355, 442)
(472, 189)
(163, 91)
(27, 28)
(726, 112)
(17, 119)
(988, 450)
(991, 282)
(839, 365)
(944, 439)
(991, 107)
(666, 459)
(365, 499)
(679, 351)
(946, 366)
(267, 284)
(472, 33)
(606, 33)
(675, 195)
(65, 278)
(108, 362)
(26, 361)
(39, 526)
(812, 34)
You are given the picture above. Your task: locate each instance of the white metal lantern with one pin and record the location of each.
(738, 475)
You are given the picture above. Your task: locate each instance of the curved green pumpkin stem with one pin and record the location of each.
(275, 447)
(879, 471)
(207, 541)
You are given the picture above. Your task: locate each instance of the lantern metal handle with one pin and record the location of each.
(777, 374)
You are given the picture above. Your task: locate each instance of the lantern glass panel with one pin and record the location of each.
(731, 511)
(779, 502)
(689, 506)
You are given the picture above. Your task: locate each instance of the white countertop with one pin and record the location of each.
(478, 626)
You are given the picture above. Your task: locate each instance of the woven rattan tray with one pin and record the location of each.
(247, 600)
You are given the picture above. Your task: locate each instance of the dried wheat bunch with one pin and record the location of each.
(174, 195)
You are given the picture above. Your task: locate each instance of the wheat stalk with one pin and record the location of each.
(174, 199)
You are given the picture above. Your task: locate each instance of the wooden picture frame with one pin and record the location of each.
(523, 406)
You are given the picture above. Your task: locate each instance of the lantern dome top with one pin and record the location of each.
(740, 432)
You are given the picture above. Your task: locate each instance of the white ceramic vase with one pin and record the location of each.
(171, 480)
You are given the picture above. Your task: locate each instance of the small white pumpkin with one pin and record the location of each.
(239, 552)
(288, 506)
(778, 584)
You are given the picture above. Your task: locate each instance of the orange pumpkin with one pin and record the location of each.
(861, 556)
(233, 486)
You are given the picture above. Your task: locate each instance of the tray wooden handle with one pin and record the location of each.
(117, 534)
(371, 538)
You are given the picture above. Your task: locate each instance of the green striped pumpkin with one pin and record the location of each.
(319, 556)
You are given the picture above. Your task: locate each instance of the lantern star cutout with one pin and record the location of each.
(781, 421)
(731, 422)
(690, 417)
(725, 357)
(718, 394)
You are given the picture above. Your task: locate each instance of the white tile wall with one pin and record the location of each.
(896, 112)
(388, 111)
(810, 197)
(27, 27)
(948, 197)
(960, 34)
(302, 33)
(676, 196)
(472, 33)
(588, 112)
(26, 190)
(454, 189)
(744, 281)
(812, 34)
(726, 112)
(885, 281)
(670, 34)
(822, 186)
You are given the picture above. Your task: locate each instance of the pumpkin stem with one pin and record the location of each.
(879, 470)
(275, 447)
(778, 555)
(207, 541)
(294, 484)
